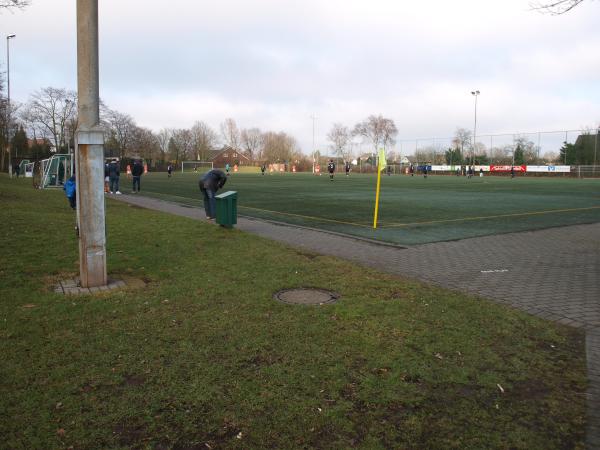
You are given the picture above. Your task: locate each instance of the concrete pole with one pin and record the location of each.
(9, 112)
(89, 164)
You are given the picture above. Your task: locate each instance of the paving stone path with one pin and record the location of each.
(552, 273)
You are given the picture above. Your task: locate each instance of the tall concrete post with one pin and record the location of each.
(89, 157)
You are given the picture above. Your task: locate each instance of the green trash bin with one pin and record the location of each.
(227, 209)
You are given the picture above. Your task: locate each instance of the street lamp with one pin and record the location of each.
(8, 38)
(475, 94)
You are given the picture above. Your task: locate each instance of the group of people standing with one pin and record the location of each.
(112, 175)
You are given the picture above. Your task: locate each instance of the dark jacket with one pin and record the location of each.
(137, 169)
(114, 170)
(212, 180)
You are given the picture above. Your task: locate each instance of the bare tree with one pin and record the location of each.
(278, 147)
(120, 128)
(180, 145)
(231, 133)
(462, 139)
(251, 140)
(144, 143)
(551, 157)
(501, 155)
(340, 137)
(164, 137)
(204, 139)
(379, 130)
(51, 108)
(529, 148)
(13, 4)
(555, 7)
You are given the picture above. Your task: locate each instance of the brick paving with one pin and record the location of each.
(552, 273)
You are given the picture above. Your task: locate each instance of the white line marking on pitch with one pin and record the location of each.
(494, 271)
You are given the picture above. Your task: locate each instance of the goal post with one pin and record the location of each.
(55, 170)
(194, 166)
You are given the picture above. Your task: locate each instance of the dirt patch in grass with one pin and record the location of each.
(128, 434)
(133, 380)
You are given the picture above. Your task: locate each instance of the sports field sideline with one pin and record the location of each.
(413, 210)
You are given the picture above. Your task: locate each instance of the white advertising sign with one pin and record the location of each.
(549, 169)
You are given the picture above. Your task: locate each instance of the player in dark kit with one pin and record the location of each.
(347, 169)
(331, 169)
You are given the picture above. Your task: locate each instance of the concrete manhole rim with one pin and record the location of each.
(328, 298)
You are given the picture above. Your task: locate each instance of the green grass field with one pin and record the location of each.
(413, 210)
(203, 357)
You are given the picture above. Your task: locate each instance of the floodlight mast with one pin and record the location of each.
(89, 164)
(475, 94)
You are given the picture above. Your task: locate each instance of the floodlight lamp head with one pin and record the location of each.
(10, 36)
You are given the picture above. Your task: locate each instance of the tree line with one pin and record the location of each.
(47, 122)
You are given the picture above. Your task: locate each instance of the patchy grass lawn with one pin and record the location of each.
(204, 358)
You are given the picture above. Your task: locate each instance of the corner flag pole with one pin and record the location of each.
(380, 166)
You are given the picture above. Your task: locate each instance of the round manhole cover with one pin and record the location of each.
(306, 296)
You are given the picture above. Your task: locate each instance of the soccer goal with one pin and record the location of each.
(196, 166)
(55, 171)
(28, 169)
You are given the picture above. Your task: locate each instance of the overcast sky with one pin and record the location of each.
(274, 63)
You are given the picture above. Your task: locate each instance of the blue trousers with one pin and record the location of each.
(136, 181)
(114, 184)
(210, 204)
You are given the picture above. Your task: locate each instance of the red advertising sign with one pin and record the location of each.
(522, 168)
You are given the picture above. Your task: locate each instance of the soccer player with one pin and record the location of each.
(347, 168)
(331, 169)
(169, 170)
(263, 168)
(209, 184)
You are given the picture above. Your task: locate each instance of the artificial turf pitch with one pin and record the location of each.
(412, 210)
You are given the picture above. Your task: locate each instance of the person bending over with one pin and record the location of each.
(209, 184)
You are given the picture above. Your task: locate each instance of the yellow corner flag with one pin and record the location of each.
(382, 161)
(381, 166)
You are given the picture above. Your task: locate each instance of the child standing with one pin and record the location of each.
(71, 192)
